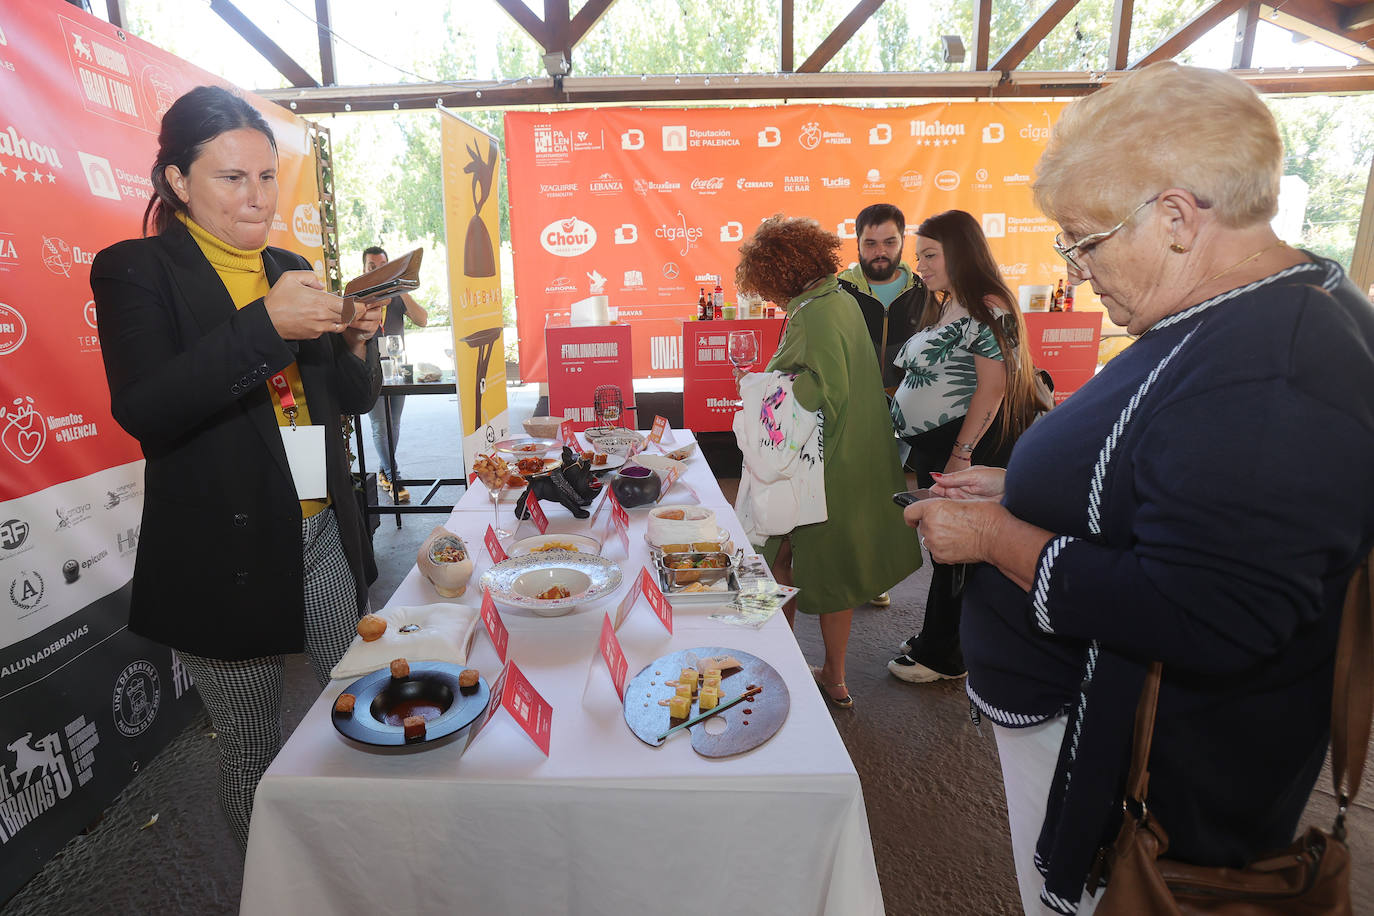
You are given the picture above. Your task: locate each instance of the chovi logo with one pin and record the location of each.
(137, 695)
(568, 238)
(305, 224)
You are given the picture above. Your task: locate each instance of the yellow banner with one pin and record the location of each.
(472, 172)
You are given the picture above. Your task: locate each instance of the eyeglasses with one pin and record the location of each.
(1086, 243)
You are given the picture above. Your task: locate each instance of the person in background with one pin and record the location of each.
(1200, 502)
(967, 394)
(398, 309)
(861, 548)
(888, 293)
(219, 351)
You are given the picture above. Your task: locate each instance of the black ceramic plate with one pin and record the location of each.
(431, 690)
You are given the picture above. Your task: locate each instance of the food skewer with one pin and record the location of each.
(709, 713)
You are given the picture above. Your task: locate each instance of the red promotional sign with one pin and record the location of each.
(496, 627)
(494, 548)
(649, 206)
(569, 435)
(662, 609)
(541, 521)
(580, 360)
(620, 521)
(614, 656)
(710, 396)
(530, 710)
(673, 475)
(1065, 344)
(656, 434)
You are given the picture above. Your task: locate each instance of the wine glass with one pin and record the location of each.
(743, 349)
(496, 493)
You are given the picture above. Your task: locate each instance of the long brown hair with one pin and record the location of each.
(974, 279)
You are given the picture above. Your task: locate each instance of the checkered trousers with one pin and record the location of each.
(244, 697)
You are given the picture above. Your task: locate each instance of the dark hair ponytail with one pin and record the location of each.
(194, 120)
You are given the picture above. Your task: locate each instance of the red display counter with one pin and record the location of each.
(582, 358)
(709, 394)
(1065, 345)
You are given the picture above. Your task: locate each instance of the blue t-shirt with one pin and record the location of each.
(886, 293)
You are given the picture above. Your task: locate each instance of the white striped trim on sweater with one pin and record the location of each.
(1057, 903)
(1001, 716)
(1041, 591)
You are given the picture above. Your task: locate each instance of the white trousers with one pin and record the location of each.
(1028, 759)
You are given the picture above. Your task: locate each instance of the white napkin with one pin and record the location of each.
(444, 635)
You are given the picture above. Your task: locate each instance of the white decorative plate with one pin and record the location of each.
(582, 542)
(603, 575)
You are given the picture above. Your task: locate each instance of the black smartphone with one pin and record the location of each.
(910, 496)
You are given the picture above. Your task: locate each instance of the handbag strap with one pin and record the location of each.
(1352, 702)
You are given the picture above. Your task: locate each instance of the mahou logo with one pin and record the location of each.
(305, 225)
(568, 238)
(22, 430)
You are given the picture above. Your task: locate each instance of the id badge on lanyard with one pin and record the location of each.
(304, 445)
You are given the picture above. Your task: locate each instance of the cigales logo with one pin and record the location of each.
(687, 236)
(568, 238)
(305, 225)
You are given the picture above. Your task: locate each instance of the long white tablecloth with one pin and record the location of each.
(605, 824)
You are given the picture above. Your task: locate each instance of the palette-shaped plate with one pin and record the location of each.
(747, 724)
(383, 702)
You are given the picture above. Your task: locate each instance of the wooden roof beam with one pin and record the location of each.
(1246, 25)
(786, 40)
(841, 34)
(1190, 32)
(1119, 45)
(114, 12)
(327, 75)
(262, 44)
(525, 18)
(586, 18)
(982, 31)
(1357, 17)
(1034, 34)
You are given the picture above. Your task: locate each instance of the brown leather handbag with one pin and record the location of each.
(1309, 878)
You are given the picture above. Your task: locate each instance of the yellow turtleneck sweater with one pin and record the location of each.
(245, 278)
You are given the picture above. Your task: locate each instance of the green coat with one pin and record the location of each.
(863, 548)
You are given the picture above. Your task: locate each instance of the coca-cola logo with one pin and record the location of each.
(568, 238)
(708, 185)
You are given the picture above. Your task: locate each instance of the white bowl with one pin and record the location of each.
(543, 427)
(537, 581)
(581, 544)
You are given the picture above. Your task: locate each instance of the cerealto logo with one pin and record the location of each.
(568, 238)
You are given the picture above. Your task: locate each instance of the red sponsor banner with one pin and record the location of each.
(710, 396)
(649, 206)
(579, 360)
(1064, 344)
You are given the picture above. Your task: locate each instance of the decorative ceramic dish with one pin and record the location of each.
(550, 543)
(512, 585)
(525, 446)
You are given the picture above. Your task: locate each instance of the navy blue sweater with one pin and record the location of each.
(1212, 489)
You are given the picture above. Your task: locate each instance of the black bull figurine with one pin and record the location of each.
(571, 486)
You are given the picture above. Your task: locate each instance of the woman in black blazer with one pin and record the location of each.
(219, 351)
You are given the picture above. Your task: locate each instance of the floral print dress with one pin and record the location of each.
(940, 375)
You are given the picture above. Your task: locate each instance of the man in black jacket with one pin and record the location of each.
(888, 293)
(887, 290)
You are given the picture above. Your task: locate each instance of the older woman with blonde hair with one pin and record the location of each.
(1168, 511)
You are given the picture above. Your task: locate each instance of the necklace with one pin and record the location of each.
(1246, 260)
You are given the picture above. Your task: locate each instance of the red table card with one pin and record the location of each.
(530, 710)
(569, 435)
(498, 553)
(660, 424)
(673, 475)
(472, 478)
(657, 600)
(620, 521)
(496, 628)
(614, 656)
(541, 521)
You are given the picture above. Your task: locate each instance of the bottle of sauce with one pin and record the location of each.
(1068, 297)
(718, 302)
(1057, 301)
(703, 307)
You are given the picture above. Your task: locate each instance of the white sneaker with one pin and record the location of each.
(908, 669)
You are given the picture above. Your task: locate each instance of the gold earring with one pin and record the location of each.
(1176, 248)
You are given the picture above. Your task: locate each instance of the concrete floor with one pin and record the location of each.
(932, 784)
